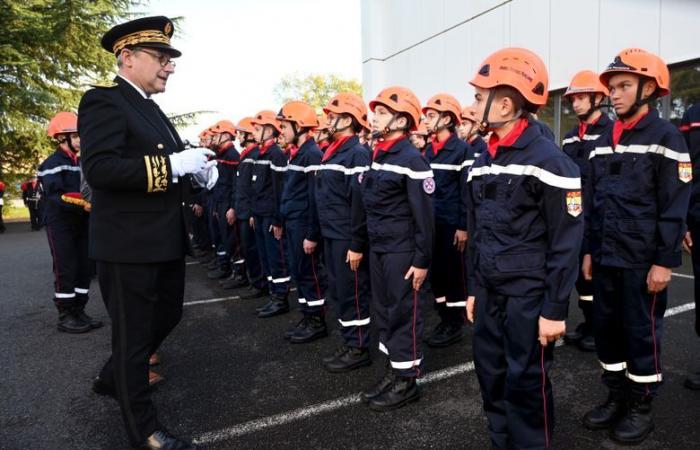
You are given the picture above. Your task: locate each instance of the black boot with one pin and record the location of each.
(636, 425)
(575, 335)
(403, 390)
(606, 415)
(340, 351)
(235, 281)
(586, 343)
(213, 264)
(219, 273)
(275, 307)
(693, 382)
(380, 386)
(445, 334)
(352, 359)
(80, 309)
(252, 292)
(69, 321)
(309, 329)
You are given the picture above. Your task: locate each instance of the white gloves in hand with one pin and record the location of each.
(191, 161)
(207, 177)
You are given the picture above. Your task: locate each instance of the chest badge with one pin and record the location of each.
(429, 185)
(685, 171)
(574, 203)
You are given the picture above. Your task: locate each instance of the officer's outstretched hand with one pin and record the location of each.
(587, 267)
(354, 259)
(550, 330)
(191, 161)
(687, 242)
(460, 240)
(658, 278)
(418, 276)
(471, 302)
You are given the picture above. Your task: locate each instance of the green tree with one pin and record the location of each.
(314, 89)
(49, 53)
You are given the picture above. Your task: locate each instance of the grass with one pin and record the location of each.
(14, 213)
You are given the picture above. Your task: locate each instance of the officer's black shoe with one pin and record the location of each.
(445, 335)
(336, 354)
(605, 415)
(94, 323)
(101, 388)
(234, 282)
(693, 382)
(274, 308)
(162, 440)
(403, 390)
(352, 359)
(70, 322)
(575, 335)
(252, 292)
(586, 343)
(218, 273)
(380, 386)
(312, 328)
(635, 426)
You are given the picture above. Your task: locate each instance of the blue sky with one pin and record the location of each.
(235, 52)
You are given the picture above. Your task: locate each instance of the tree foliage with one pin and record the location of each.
(314, 89)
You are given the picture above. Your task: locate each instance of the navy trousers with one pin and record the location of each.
(68, 241)
(306, 269)
(272, 256)
(251, 257)
(448, 276)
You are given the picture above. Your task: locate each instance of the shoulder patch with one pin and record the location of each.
(574, 203)
(685, 171)
(429, 185)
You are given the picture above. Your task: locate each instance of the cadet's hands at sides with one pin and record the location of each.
(687, 242)
(550, 330)
(230, 216)
(658, 278)
(354, 259)
(587, 267)
(418, 276)
(471, 302)
(460, 240)
(277, 231)
(197, 210)
(309, 246)
(251, 222)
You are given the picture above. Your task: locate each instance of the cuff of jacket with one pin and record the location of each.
(668, 259)
(158, 172)
(554, 311)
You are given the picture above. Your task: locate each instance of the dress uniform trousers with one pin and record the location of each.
(68, 241)
(249, 252)
(397, 311)
(306, 269)
(584, 288)
(513, 370)
(144, 302)
(221, 233)
(273, 256)
(448, 276)
(349, 292)
(628, 326)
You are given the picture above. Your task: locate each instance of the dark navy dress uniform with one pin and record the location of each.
(450, 165)
(224, 237)
(397, 194)
(525, 229)
(267, 179)
(341, 212)
(577, 144)
(66, 229)
(34, 201)
(637, 197)
(242, 204)
(298, 209)
(690, 128)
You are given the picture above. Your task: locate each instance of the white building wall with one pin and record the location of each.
(569, 35)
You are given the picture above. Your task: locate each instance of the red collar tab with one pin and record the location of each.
(509, 139)
(227, 145)
(437, 145)
(385, 146)
(619, 127)
(292, 150)
(324, 145)
(583, 126)
(246, 151)
(266, 146)
(333, 147)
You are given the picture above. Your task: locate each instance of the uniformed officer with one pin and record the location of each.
(419, 137)
(135, 163)
(223, 233)
(32, 198)
(267, 179)
(690, 127)
(450, 159)
(301, 227)
(637, 195)
(340, 214)
(397, 192)
(66, 221)
(585, 93)
(525, 231)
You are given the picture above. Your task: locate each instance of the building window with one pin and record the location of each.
(685, 90)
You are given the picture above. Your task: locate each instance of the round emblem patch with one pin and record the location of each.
(429, 185)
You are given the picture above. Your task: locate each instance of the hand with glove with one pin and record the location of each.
(193, 160)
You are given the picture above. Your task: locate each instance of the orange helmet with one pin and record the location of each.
(63, 122)
(225, 126)
(245, 125)
(349, 103)
(266, 117)
(586, 82)
(322, 123)
(399, 99)
(469, 113)
(300, 113)
(422, 130)
(642, 63)
(445, 103)
(518, 68)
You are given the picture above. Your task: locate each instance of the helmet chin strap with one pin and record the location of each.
(638, 102)
(334, 128)
(387, 130)
(587, 115)
(485, 126)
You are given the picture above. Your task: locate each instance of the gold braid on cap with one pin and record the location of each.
(140, 37)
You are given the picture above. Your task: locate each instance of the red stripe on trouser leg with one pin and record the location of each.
(544, 399)
(653, 337)
(313, 270)
(415, 310)
(57, 280)
(357, 308)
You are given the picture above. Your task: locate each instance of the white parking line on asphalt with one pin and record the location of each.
(211, 300)
(332, 405)
(682, 275)
(189, 263)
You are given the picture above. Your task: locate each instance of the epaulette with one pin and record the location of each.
(104, 85)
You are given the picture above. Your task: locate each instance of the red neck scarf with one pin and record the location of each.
(385, 146)
(72, 156)
(437, 145)
(619, 126)
(266, 146)
(583, 126)
(333, 147)
(292, 150)
(248, 148)
(225, 146)
(508, 140)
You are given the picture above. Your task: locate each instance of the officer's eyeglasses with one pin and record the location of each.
(163, 60)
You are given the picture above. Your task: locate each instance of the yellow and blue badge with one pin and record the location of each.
(685, 171)
(574, 203)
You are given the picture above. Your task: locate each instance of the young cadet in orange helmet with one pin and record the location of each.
(585, 93)
(469, 131)
(449, 158)
(323, 137)
(298, 210)
(637, 197)
(342, 213)
(397, 194)
(525, 230)
(419, 137)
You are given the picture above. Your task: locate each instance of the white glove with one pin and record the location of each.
(207, 177)
(191, 161)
